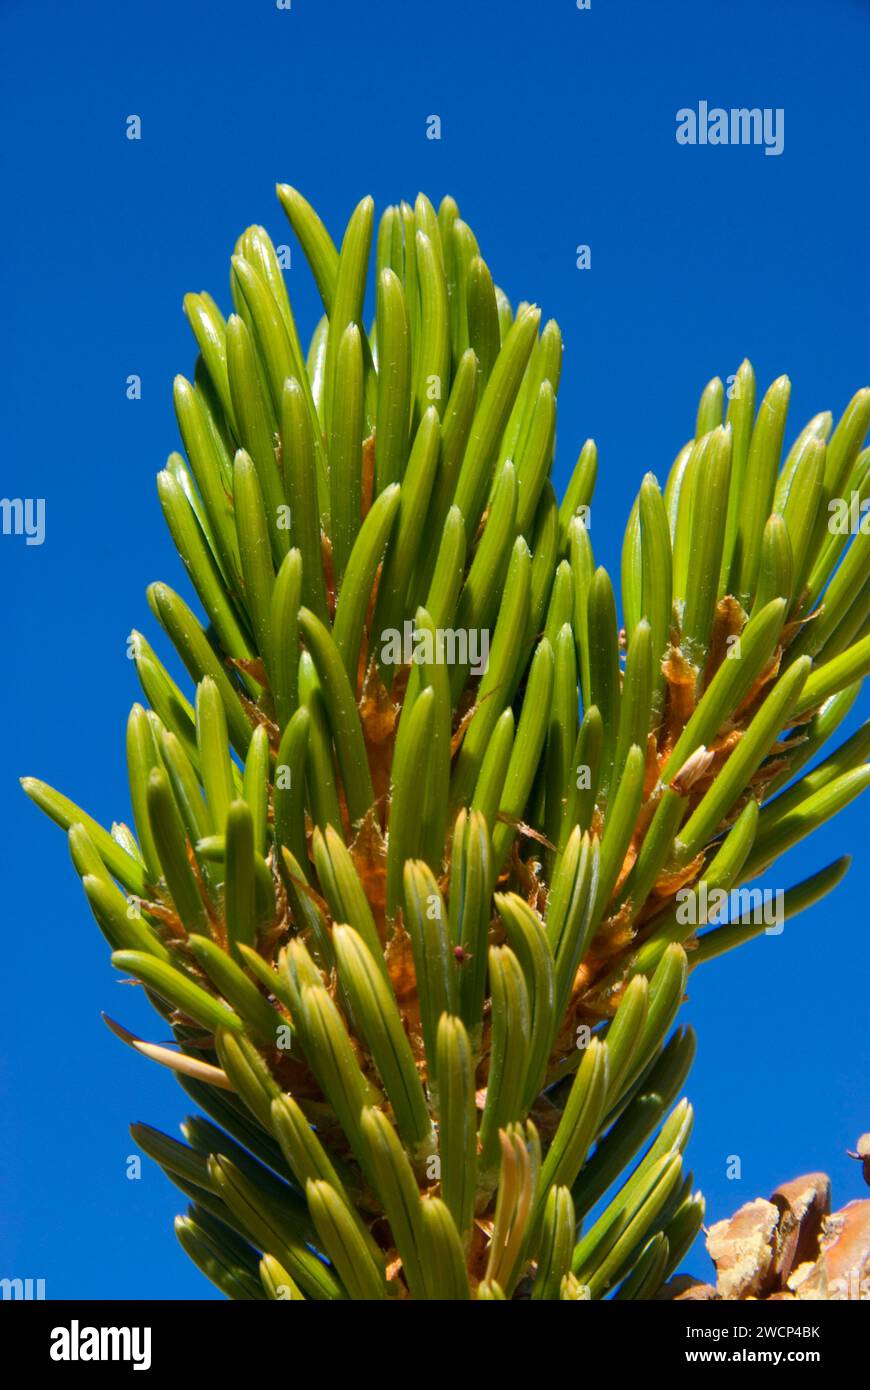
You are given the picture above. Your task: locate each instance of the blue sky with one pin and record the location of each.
(558, 128)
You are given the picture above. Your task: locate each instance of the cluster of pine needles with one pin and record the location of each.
(414, 926)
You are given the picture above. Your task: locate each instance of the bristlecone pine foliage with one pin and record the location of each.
(418, 940)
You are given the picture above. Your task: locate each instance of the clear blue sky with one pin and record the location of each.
(558, 129)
